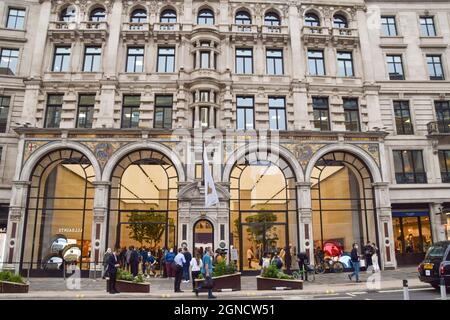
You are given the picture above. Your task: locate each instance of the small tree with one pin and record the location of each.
(147, 227)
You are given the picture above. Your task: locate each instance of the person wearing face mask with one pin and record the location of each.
(355, 263)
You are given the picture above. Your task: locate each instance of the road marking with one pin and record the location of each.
(359, 292)
(333, 298)
(350, 294)
(401, 290)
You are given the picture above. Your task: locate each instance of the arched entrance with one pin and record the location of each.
(203, 235)
(342, 199)
(143, 202)
(263, 209)
(58, 219)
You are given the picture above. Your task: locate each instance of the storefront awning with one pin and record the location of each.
(410, 213)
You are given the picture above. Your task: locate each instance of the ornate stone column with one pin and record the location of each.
(385, 229)
(99, 224)
(438, 222)
(305, 219)
(16, 225)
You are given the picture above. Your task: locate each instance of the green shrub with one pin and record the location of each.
(11, 277)
(223, 268)
(273, 273)
(127, 276)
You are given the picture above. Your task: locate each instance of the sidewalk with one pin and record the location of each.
(55, 288)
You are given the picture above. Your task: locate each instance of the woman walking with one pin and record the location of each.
(376, 266)
(196, 266)
(355, 263)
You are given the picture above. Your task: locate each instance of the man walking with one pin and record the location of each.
(354, 255)
(207, 270)
(105, 263)
(368, 252)
(113, 264)
(134, 261)
(188, 258)
(179, 261)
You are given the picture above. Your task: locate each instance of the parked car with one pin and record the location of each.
(436, 264)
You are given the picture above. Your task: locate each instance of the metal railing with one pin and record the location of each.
(439, 127)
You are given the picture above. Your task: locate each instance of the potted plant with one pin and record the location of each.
(225, 277)
(272, 278)
(127, 283)
(12, 283)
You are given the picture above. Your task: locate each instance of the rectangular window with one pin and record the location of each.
(166, 60)
(345, 64)
(395, 67)
(244, 61)
(443, 115)
(316, 62)
(389, 26)
(85, 116)
(8, 61)
(277, 113)
(245, 113)
(163, 112)
(61, 59)
(321, 114)
(53, 111)
(184, 232)
(409, 167)
(274, 62)
(204, 117)
(351, 112)
(444, 164)
(92, 59)
(16, 19)
(222, 232)
(403, 119)
(130, 111)
(427, 28)
(135, 59)
(4, 112)
(435, 69)
(204, 59)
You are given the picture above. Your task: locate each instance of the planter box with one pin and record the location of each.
(273, 284)
(13, 287)
(128, 286)
(227, 282)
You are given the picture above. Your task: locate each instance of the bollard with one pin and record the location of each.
(443, 289)
(405, 290)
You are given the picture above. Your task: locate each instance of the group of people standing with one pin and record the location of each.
(370, 255)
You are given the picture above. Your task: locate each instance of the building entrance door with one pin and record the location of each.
(203, 235)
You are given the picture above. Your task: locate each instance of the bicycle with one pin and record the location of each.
(331, 264)
(310, 274)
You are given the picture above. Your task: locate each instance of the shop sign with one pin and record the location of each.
(70, 230)
(233, 254)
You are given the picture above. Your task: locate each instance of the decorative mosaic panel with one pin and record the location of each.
(103, 150)
(373, 150)
(303, 152)
(30, 147)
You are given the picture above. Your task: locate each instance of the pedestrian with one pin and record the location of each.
(196, 265)
(128, 257)
(288, 259)
(354, 255)
(144, 260)
(151, 264)
(376, 266)
(178, 263)
(250, 256)
(105, 263)
(169, 257)
(134, 262)
(265, 263)
(368, 252)
(303, 264)
(207, 271)
(122, 257)
(276, 260)
(113, 264)
(188, 257)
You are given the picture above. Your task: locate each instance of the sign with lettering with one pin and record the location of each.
(233, 254)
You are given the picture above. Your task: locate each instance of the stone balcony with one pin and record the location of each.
(437, 128)
(61, 31)
(316, 35)
(135, 31)
(166, 31)
(345, 36)
(275, 33)
(93, 30)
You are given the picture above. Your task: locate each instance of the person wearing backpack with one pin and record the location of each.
(207, 271)
(276, 260)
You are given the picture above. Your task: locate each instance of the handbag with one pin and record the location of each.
(208, 283)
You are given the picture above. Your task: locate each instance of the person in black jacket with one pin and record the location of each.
(354, 255)
(303, 262)
(134, 262)
(113, 264)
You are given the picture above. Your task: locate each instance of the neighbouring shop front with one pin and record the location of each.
(412, 232)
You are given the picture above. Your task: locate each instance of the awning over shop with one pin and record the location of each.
(410, 213)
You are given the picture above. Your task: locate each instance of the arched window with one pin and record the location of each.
(263, 208)
(339, 21)
(312, 20)
(143, 201)
(98, 14)
(243, 17)
(59, 213)
(343, 204)
(68, 14)
(205, 17)
(272, 19)
(138, 16)
(168, 16)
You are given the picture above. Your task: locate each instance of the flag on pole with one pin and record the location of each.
(211, 197)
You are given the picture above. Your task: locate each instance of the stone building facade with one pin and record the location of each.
(355, 87)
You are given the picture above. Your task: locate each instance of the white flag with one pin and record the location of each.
(211, 197)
